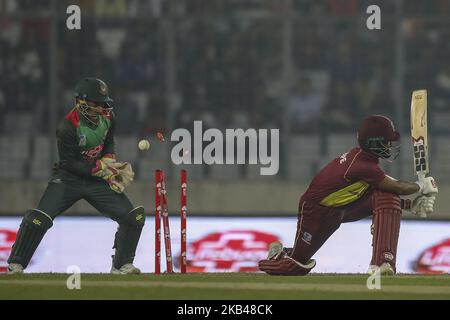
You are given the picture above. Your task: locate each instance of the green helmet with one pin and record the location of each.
(93, 89)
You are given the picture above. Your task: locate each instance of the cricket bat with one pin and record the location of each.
(419, 134)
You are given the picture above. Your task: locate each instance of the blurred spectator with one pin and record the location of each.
(341, 106)
(134, 68)
(230, 64)
(110, 8)
(304, 106)
(126, 112)
(345, 66)
(442, 82)
(376, 95)
(308, 49)
(343, 7)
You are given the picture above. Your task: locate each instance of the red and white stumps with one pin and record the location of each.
(183, 214)
(162, 210)
(166, 227)
(158, 177)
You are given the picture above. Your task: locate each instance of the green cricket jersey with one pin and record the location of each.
(81, 143)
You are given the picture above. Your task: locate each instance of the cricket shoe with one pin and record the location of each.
(276, 251)
(126, 269)
(15, 268)
(384, 270)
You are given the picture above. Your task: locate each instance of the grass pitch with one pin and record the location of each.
(222, 286)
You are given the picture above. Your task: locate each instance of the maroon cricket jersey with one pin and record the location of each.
(345, 179)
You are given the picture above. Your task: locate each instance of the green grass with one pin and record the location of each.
(223, 286)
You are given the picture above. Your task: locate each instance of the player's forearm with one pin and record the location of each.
(389, 184)
(406, 188)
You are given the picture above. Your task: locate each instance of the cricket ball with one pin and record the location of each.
(144, 145)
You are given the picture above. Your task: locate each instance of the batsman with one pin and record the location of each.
(352, 187)
(87, 169)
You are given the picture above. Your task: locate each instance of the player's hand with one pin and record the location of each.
(123, 178)
(428, 204)
(125, 172)
(109, 158)
(103, 169)
(417, 206)
(423, 205)
(115, 185)
(427, 186)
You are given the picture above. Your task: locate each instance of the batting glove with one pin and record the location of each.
(423, 205)
(427, 186)
(428, 204)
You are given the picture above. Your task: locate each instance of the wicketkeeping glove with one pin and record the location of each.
(117, 174)
(104, 169)
(126, 174)
(115, 185)
(124, 177)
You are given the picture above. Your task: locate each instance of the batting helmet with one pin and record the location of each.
(377, 135)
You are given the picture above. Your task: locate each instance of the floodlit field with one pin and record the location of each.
(223, 286)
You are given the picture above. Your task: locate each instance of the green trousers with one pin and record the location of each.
(62, 194)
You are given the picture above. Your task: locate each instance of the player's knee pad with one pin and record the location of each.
(386, 200)
(385, 228)
(37, 219)
(34, 225)
(135, 218)
(127, 237)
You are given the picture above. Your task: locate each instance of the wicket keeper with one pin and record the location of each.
(350, 188)
(87, 169)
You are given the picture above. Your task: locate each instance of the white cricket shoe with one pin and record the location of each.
(126, 269)
(385, 269)
(15, 268)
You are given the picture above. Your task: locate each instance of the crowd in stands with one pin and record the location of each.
(230, 66)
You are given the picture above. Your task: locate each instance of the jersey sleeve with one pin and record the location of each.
(69, 152)
(109, 145)
(366, 171)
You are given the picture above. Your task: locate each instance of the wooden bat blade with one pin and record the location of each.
(419, 132)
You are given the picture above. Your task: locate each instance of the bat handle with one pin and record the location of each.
(421, 176)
